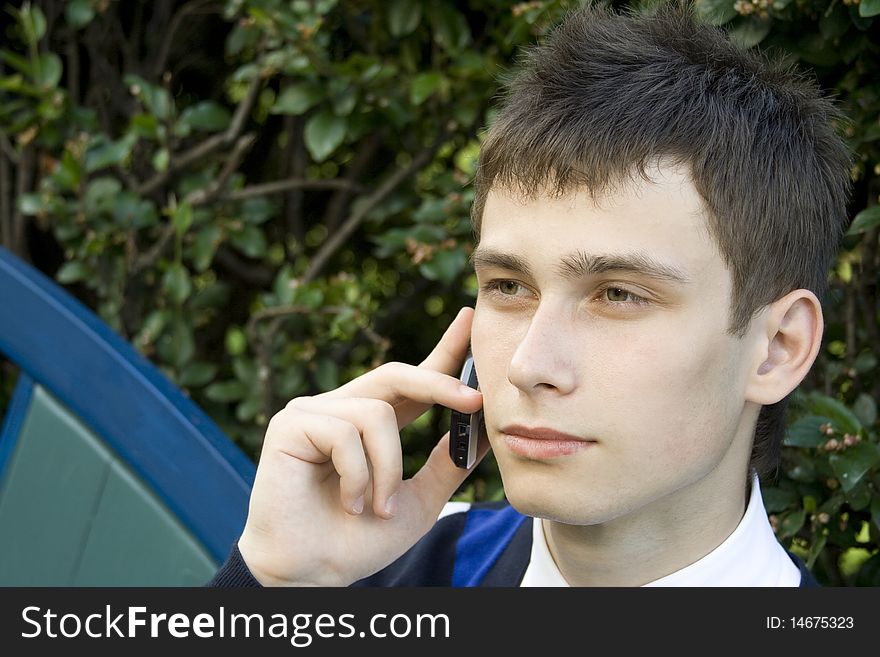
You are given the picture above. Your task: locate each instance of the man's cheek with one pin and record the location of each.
(670, 371)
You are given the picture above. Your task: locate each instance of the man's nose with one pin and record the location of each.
(545, 356)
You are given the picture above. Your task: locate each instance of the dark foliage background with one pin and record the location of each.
(268, 198)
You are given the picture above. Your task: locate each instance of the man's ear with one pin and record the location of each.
(789, 336)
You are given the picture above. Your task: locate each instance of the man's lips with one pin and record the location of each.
(542, 442)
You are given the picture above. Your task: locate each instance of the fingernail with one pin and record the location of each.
(358, 505)
(391, 505)
(467, 390)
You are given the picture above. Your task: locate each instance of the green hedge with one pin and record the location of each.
(268, 198)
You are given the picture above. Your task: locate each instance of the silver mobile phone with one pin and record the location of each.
(464, 430)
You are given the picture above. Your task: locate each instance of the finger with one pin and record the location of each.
(410, 390)
(380, 434)
(448, 357)
(316, 438)
(439, 478)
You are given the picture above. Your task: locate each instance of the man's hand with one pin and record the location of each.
(328, 505)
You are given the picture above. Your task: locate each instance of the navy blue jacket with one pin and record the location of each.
(488, 545)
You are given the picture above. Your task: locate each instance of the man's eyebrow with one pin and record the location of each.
(579, 264)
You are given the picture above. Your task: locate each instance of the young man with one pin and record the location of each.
(656, 213)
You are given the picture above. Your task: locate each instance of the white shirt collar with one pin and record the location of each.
(750, 556)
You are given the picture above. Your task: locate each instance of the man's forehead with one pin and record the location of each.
(654, 226)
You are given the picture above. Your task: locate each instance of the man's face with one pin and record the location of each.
(574, 337)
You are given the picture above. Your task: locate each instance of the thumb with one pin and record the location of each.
(439, 478)
(447, 357)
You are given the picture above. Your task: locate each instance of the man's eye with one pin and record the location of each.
(503, 288)
(619, 295)
(508, 287)
(616, 294)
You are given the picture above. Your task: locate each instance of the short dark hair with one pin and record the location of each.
(608, 93)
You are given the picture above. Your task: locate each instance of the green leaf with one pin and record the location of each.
(297, 98)
(715, 12)
(851, 465)
(151, 328)
(212, 297)
(842, 418)
(292, 381)
(809, 504)
(803, 467)
(31, 204)
(751, 31)
(323, 133)
(248, 409)
(161, 160)
(69, 172)
(804, 432)
(177, 345)
(451, 30)
(869, 8)
(15, 83)
(145, 125)
(71, 272)
(445, 266)
(777, 499)
(345, 101)
(816, 549)
(865, 220)
(865, 362)
(814, 49)
(246, 371)
(791, 523)
(206, 116)
(257, 210)
(133, 211)
(19, 63)
(241, 37)
(858, 497)
(851, 560)
(250, 240)
(176, 283)
(327, 374)
(154, 98)
(423, 86)
(48, 70)
(197, 374)
(865, 409)
(182, 218)
(236, 341)
(431, 210)
(403, 17)
(226, 391)
(101, 195)
(79, 13)
(309, 295)
(205, 246)
(109, 154)
(33, 23)
(282, 288)
(835, 24)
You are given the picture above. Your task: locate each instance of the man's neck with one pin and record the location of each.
(656, 540)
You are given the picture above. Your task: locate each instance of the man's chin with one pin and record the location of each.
(535, 499)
